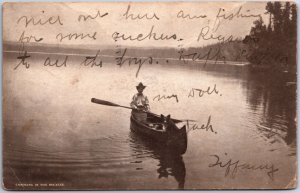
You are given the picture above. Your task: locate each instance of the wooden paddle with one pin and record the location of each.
(107, 103)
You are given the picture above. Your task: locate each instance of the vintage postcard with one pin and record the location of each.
(149, 95)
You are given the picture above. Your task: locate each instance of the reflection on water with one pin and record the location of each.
(275, 96)
(170, 162)
(271, 95)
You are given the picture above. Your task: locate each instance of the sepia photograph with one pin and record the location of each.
(149, 95)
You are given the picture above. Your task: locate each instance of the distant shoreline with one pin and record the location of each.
(232, 63)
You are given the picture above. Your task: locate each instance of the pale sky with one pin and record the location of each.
(168, 23)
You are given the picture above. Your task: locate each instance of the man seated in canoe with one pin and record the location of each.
(140, 104)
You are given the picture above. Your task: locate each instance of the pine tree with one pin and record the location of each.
(276, 47)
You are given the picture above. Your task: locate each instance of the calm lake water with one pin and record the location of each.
(56, 138)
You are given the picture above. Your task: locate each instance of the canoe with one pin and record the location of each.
(155, 128)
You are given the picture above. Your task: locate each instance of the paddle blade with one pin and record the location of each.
(103, 102)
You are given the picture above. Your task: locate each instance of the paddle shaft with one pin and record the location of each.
(107, 103)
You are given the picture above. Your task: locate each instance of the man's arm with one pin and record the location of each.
(147, 106)
(133, 102)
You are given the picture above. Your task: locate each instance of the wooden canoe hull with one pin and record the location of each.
(177, 141)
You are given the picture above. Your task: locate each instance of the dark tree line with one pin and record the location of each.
(273, 45)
